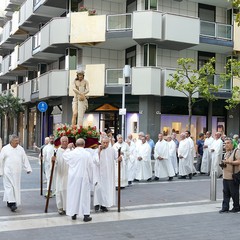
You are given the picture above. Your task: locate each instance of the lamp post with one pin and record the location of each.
(122, 111)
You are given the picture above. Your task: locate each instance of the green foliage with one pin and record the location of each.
(233, 69)
(10, 105)
(236, 4)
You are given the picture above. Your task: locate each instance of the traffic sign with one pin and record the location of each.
(42, 106)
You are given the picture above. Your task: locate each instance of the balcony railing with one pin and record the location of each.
(216, 30)
(112, 76)
(226, 83)
(35, 85)
(36, 40)
(119, 22)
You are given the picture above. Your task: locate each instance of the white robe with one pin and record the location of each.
(79, 182)
(207, 155)
(105, 191)
(132, 162)
(125, 156)
(217, 146)
(172, 155)
(185, 163)
(48, 152)
(61, 179)
(192, 153)
(143, 167)
(164, 167)
(12, 161)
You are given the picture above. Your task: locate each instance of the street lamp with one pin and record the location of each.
(122, 111)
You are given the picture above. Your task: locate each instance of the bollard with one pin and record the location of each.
(213, 186)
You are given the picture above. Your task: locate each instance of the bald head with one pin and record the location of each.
(80, 142)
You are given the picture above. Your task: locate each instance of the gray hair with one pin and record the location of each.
(13, 137)
(80, 142)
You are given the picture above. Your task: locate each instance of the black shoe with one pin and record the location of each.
(182, 177)
(156, 179)
(234, 210)
(13, 207)
(135, 180)
(129, 183)
(74, 217)
(149, 180)
(87, 218)
(170, 178)
(194, 174)
(223, 211)
(190, 175)
(104, 209)
(96, 208)
(9, 204)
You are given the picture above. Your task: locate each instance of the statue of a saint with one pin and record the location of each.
(79, 103)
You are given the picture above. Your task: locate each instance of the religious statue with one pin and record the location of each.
(80, 102)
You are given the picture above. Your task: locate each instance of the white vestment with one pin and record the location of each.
(143, 167)
(217, 146)
(61, 179)
(105, 191)
(12, 161)
(185, 163)
(207, 155)
(125, 156)
(48, 152)
(172, 155)
(192, 153)
(79, 182)
(164, 167)
(132, 162)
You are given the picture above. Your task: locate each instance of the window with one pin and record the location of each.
(131, 56)
(150, 55)
(131, 6)
(150, 4)
(207, 12)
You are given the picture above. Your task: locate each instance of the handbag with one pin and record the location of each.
(235, 176)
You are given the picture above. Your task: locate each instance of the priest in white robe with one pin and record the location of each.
(143, 161)
(61, 176)
(12, 160)
(120, 144)
(207, 155)
(172, 153)
(216, 150)
(131, 161)
(105, 191)
(48, 153)
(185, 158)
(192, 150)
(79, 182)
(163, 165)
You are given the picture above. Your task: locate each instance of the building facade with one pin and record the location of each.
(44, 42)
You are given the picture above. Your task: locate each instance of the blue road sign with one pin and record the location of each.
(42, 107)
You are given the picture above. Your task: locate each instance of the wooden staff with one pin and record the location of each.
(41, 172)
(119, 181)
(50, 184)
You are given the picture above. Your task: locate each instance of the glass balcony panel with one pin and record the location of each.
(119, 22)
(207, 29)
(224, 31)
(226, 83)
(113, 75)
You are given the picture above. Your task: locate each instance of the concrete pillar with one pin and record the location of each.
(150, 115)
(232, 123)
(67, 110)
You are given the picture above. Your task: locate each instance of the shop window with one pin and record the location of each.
(150, 55)
(150, 4)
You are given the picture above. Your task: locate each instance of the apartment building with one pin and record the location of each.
(44, 42)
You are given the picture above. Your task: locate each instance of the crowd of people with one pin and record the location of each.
(80, 171)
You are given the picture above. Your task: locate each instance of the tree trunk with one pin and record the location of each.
(189, 113)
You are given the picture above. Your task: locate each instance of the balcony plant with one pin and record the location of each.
(92, 12)
(83, 9)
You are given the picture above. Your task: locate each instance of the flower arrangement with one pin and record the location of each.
(76, 131)
(92, 12)
(83, 9)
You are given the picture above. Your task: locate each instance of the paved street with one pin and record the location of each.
(159, 210)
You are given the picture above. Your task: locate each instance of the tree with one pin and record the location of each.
(191, 81)
(10, 107)
(236, 4)
(233, 69)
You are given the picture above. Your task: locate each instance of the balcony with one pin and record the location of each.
(226, 84)
(146, 81)
(114, 77)
(24, 91)
(25, 51)
(119, 22)
(216, 30)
